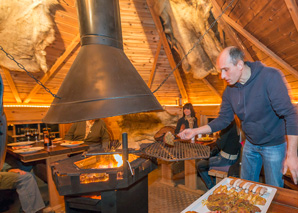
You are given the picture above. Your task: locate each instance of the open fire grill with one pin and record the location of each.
(77, 174)
(124, 187)
(94, 172)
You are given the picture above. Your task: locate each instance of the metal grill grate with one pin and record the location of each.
(180, 151)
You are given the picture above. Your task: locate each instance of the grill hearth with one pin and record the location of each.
(70, 179)
(121, 188)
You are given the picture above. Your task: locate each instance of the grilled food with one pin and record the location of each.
(169, 139)
(237, 196)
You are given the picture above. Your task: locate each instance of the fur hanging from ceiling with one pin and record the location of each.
(26, 29)
(184, 22)
(141, 127)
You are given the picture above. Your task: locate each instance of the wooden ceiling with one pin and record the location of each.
(266, 29)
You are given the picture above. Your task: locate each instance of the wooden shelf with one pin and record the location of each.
(18, 136)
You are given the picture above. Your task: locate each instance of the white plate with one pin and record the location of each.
(28, 150)
(199, 207)
(57, 140)
(72, 143)
(21, 143)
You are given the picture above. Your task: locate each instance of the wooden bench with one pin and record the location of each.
(288, 181)
(219, 175)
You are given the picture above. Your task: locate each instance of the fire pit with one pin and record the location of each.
(120, 179)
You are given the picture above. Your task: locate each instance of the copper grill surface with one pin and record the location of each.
(180, 151)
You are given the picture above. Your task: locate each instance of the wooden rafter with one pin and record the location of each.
(153, 70)
(293, 9)
(230, 32)
(11, 84)
(211, 87)
(55, 67)
(168, 52)
(260, 45)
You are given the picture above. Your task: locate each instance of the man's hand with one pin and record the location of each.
(190, 133)
(187, 134)
(291, 163)
(21, 172)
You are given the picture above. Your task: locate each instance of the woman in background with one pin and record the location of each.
(188, 120)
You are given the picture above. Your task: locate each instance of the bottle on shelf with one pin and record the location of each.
(36, 134)
(28, 134)
(46, 136)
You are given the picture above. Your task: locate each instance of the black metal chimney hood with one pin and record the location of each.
(102, 82)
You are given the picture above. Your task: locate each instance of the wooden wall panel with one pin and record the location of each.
(24, 115)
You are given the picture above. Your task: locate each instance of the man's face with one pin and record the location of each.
(229, 72)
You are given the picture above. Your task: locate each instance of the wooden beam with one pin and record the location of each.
(11, 84)
(211, 87)
(168, 51)
(293, 9)
(55, 67)
(230, 32)
(260, 45)
(153, 70)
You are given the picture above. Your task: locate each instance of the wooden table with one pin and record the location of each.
(285, 200)
(50, 154)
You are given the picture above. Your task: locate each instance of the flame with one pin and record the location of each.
(96, 197)
(119, 160)
(103, 161)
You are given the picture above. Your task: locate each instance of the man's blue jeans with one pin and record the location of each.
(272, 157)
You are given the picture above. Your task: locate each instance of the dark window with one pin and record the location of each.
(210, 119)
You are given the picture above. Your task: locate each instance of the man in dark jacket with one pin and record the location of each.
(259, 97)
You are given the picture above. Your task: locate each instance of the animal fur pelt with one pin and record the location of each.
(184, 22)
(141, 127)
(26, 29)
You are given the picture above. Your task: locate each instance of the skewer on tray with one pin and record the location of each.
(248, 186)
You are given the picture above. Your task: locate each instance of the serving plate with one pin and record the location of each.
(198, 205)
(28, 150)
(205, 139)
(71, 143)
(57, 140)
(21, 147)
(21, 143)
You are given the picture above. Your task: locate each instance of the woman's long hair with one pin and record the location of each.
(190, 107)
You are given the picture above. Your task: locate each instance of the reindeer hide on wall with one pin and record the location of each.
(26, 29)
(184, 22)
(141, 127)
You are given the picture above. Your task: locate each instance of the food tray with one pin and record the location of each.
(197, 206)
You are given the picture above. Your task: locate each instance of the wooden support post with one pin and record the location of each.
(167, 173)
(168, 52)
(55, 67)
(153, 70)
